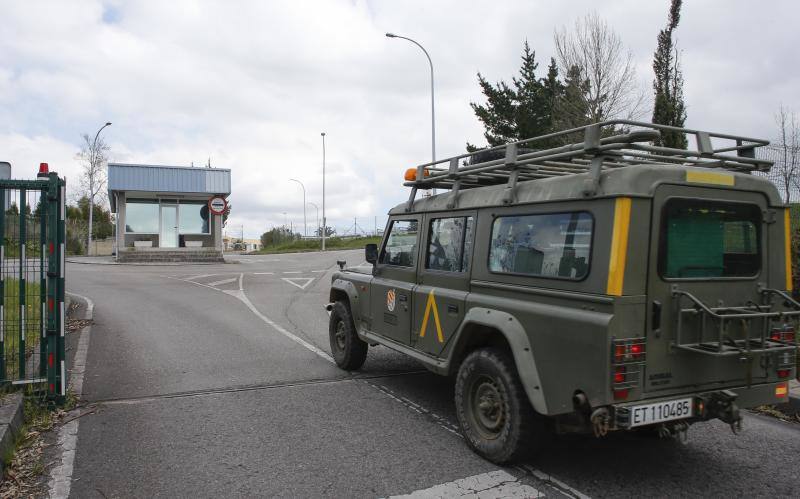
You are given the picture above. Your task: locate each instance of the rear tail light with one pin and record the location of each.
(619, 375)
(784, 373)
(785, 333)
(627, 357)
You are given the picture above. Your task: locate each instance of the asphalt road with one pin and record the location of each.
(213, 381)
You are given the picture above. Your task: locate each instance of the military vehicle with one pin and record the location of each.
(584, 281)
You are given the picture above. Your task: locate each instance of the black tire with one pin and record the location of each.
(496, 418)
(348, 350)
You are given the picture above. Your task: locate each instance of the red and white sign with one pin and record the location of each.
(217, 205)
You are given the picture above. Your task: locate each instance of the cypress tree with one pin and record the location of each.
(669, 108)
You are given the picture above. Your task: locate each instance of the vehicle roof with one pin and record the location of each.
(631, 181)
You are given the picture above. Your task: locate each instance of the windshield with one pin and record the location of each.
(707, 239)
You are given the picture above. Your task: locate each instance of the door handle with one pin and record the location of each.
(402, 298)
(452, 309)
(656, 315)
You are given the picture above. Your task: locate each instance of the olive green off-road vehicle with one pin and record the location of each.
(586, 281)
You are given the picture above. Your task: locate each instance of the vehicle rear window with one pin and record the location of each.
(552, 245)
(708, 239)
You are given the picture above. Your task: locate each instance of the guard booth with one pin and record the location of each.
(32, 285)
(168, 213)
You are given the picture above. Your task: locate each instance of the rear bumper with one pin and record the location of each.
(715, 404)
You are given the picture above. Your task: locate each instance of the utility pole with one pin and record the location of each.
(324, 220)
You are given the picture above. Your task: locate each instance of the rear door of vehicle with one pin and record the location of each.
(440, 296)
(712, 243)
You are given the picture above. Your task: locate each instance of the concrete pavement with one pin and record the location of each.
(198, 395)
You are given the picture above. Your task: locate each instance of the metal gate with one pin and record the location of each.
(32, 283)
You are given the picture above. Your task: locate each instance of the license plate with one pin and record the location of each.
(659, 412)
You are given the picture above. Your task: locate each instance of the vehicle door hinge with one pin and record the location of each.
(768, 216)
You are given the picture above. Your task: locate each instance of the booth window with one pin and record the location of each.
(193, 217)
(141, 216)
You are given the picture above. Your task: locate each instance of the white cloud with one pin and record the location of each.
(252, 84)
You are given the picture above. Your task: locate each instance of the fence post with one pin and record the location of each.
(62, 238)
(22, 237)
(56, 388)
(3, 376)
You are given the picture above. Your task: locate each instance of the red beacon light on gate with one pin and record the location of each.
(44, 170)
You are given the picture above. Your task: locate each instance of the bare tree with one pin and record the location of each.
(93, 156)
(788, 164)
(595, 51)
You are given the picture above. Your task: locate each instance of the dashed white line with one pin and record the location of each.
(263, 273)
(292, 272)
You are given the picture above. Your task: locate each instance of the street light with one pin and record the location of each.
(317, 208)
(305, 226)
(433, 114)
(324, 221)
(92, 173)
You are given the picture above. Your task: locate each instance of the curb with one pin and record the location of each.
(11, 411)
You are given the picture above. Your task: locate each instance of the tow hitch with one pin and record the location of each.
(722, 405)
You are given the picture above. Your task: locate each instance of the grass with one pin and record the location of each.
(32, 332)
(306, 245)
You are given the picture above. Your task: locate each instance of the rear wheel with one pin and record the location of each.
(348, 350)
(492, 407)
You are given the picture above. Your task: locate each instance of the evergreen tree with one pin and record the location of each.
(669, 108)
(521, 110)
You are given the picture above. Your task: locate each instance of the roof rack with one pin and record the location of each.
(587, 149)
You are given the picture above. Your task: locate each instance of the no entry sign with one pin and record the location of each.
(217, 205)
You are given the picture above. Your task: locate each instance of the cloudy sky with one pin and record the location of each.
(252, 84)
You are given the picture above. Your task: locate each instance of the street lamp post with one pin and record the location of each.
(433, 113)
(324, 221)
(305, 225)
(92, 172)
(317, 208)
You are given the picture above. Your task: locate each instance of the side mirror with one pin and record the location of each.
(371, 253)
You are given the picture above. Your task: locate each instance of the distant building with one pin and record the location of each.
(166, 208)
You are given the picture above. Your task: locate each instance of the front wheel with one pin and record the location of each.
(348, 350)
(492, 407)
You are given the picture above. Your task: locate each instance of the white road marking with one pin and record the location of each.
(263, 273)
(61, 474)
(319, 271)
(292, 281)
(563, 487)
(239, 293)
(223, 281)
(191, 278)
(292, 272)
(495, 484)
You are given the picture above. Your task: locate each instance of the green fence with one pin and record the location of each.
(32, 284)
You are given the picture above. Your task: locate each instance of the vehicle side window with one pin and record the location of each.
(450, 244)
(553, 245)
(401, 245)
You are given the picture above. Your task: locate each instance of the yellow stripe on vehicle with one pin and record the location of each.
(619, 246)
(787, 224)
(710, 178)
